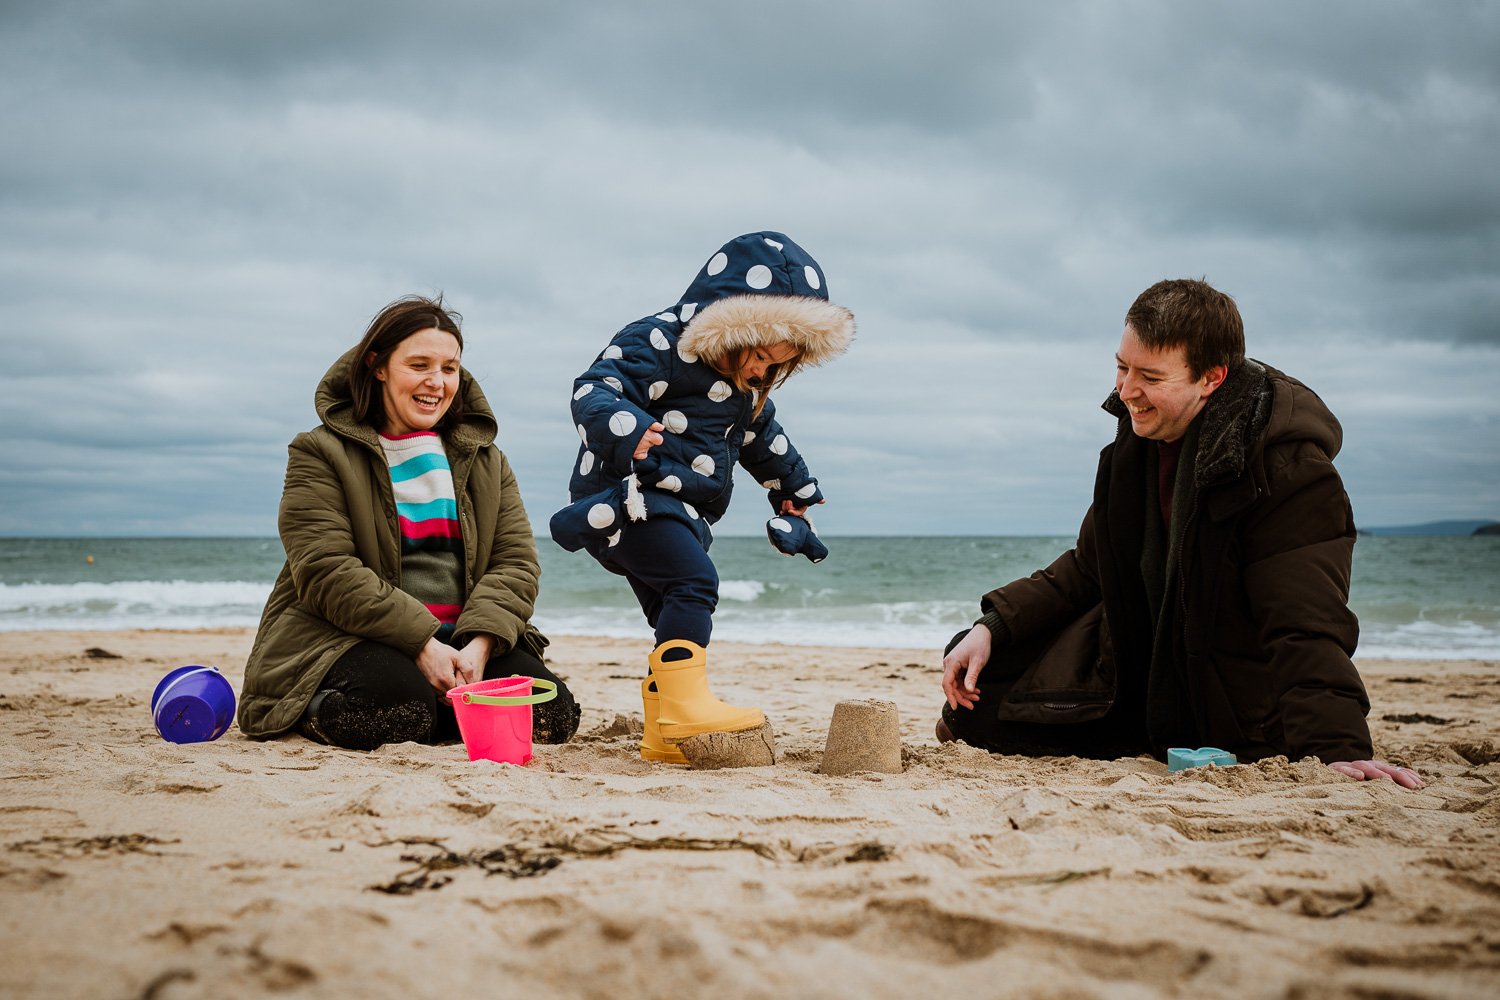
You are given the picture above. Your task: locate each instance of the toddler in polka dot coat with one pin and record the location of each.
(664, 414)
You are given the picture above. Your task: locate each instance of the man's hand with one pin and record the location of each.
(1378, 770)
(648, 440)
(962, 666)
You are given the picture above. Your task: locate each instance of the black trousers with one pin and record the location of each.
(374, 695)
(1113, 736)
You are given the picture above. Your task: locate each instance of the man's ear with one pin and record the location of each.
(1213, 378)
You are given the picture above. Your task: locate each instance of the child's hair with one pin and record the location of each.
(760, 389)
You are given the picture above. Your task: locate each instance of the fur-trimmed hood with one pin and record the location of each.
(1256, 403)
(762, 289)
(820, 330)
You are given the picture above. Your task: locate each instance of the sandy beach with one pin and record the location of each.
(132, 867)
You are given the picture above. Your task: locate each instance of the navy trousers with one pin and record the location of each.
(673, 578)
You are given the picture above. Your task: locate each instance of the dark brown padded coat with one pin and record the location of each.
(1255, 635)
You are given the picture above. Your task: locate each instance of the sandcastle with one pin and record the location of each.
(865, 735)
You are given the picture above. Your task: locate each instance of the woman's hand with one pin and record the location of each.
(648, 440)
(438, 662)
(471, 659)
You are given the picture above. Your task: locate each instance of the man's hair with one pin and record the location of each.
(1193, 315)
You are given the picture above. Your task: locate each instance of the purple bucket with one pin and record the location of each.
(192, 705)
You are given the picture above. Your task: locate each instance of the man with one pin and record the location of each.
(1206, 600)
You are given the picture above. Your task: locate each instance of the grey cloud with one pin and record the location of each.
(202, 205)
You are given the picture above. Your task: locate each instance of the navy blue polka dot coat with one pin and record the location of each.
(758, 290)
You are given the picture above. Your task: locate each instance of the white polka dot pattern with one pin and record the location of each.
(691, 406)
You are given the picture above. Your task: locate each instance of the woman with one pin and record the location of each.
(665, 412)
(410, 563)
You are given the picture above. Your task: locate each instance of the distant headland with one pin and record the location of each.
(1477, 526)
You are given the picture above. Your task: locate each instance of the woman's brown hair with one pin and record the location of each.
(386, 331)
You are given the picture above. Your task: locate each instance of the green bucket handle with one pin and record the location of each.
(549, 691)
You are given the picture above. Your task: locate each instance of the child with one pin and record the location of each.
(675, 400)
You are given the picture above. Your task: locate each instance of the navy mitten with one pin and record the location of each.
(793, 535)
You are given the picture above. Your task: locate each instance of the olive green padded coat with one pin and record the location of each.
(342, 578)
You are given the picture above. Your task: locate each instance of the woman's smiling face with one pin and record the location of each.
(418, 381)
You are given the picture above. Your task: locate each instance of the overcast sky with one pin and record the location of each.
(203, 203)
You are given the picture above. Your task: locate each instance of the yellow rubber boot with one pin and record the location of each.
(653, 747)
(687, 708)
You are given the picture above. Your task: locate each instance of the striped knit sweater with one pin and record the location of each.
(432, 560)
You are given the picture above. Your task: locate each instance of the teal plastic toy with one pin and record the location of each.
(1181, 758)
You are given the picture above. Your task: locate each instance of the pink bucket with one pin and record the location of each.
(494, 717)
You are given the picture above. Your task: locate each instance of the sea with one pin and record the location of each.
(1416, 597)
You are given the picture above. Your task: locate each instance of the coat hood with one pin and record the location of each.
(761, 289)
(1255, 403)
(476, 428)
